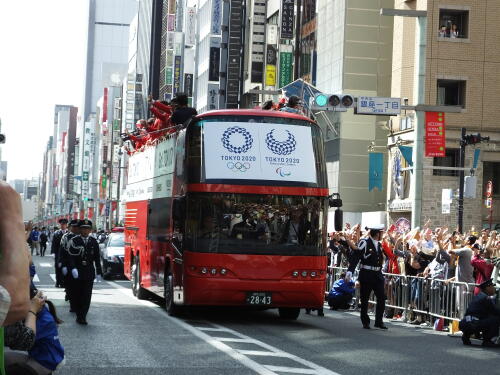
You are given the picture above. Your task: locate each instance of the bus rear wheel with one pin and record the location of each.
(168, 293)
(137, 290)
(289, 313)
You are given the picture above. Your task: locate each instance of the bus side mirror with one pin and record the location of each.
(179, 209)
(334, 200)
(338, 219)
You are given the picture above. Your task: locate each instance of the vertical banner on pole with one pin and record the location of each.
(435, 137)
(376, 170)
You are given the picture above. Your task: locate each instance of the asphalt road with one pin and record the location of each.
(128, 336)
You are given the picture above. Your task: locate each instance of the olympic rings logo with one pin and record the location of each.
(238, 167)
(248, 139)
(281, 148)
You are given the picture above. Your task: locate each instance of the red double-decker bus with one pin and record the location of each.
(231, 210)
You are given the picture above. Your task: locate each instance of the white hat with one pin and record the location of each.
(376, 227)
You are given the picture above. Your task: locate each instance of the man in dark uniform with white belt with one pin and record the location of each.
(482, 316)
(56, 250)
(83, 253)
(371, 256)
(63, 259)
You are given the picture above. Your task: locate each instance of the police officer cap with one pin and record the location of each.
(73, 223)
(85, 224)
(376, 227)
(63, 221)
(486, 283)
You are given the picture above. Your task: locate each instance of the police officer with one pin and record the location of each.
(482, 316)
(55, 249)
(370, 254)
(64, 257)
(83, 254)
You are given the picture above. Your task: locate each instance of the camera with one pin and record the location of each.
(2, 138)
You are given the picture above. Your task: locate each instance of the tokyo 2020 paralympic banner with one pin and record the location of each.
(258, 151)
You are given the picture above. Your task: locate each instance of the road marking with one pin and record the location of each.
(263, 353)
(293, 370)
(53, 276)
(36, 279)
(45, 265)
(222, 344)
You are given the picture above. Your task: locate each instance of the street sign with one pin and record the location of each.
(371, 105)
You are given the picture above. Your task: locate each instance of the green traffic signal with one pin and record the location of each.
(321, 100)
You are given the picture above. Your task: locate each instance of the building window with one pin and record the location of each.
(451, 92)
(453, 23)
(452, 159)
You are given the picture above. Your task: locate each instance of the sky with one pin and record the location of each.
(42, 61)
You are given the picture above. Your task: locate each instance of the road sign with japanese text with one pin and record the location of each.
(368, 105)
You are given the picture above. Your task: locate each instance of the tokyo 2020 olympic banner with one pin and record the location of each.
(258, 151)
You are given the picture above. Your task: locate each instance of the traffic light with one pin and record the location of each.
(472, 139)
(331, 102)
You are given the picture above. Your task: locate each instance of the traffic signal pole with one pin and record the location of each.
(463, 143)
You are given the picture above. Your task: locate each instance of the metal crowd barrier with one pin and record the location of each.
(434, 297)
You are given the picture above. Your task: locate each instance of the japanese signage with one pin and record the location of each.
(285, 73)
(287, 17)
(214, 63)
(171, 22)
(368, 105)
(258, 151)
(168, 76)
(188, 84)
(177, 74)
(272, 34)
(234, 57)
(435, 139)
(170, 40)
(216, 16)
(270, 75)
(446, 199)
(171, 6)
(271, 55)
(190, 27)
(213, 96)
(150, 172)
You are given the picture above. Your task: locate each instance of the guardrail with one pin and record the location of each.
(434, 297)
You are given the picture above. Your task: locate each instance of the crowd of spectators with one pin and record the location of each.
(439, 255)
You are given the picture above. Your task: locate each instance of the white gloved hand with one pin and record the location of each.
(348, 276)
(65, 271)
(98, 278)
(74, 272)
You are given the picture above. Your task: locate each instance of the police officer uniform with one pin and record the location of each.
(482, 316)
(83, 254)
(371, 258)
(56, 249)
(64, 258)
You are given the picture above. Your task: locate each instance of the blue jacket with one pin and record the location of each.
(35, 235)
(47, 349)
(342, 288)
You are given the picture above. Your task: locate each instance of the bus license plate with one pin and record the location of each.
(259, 298)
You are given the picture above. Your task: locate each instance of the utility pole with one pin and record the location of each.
(461, 182)
(296, 65)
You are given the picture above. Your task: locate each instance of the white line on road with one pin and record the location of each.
(45, 265)
(236, 354)
(36, 279)
(293, 370)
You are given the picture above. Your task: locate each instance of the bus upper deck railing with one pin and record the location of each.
(435, 297)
